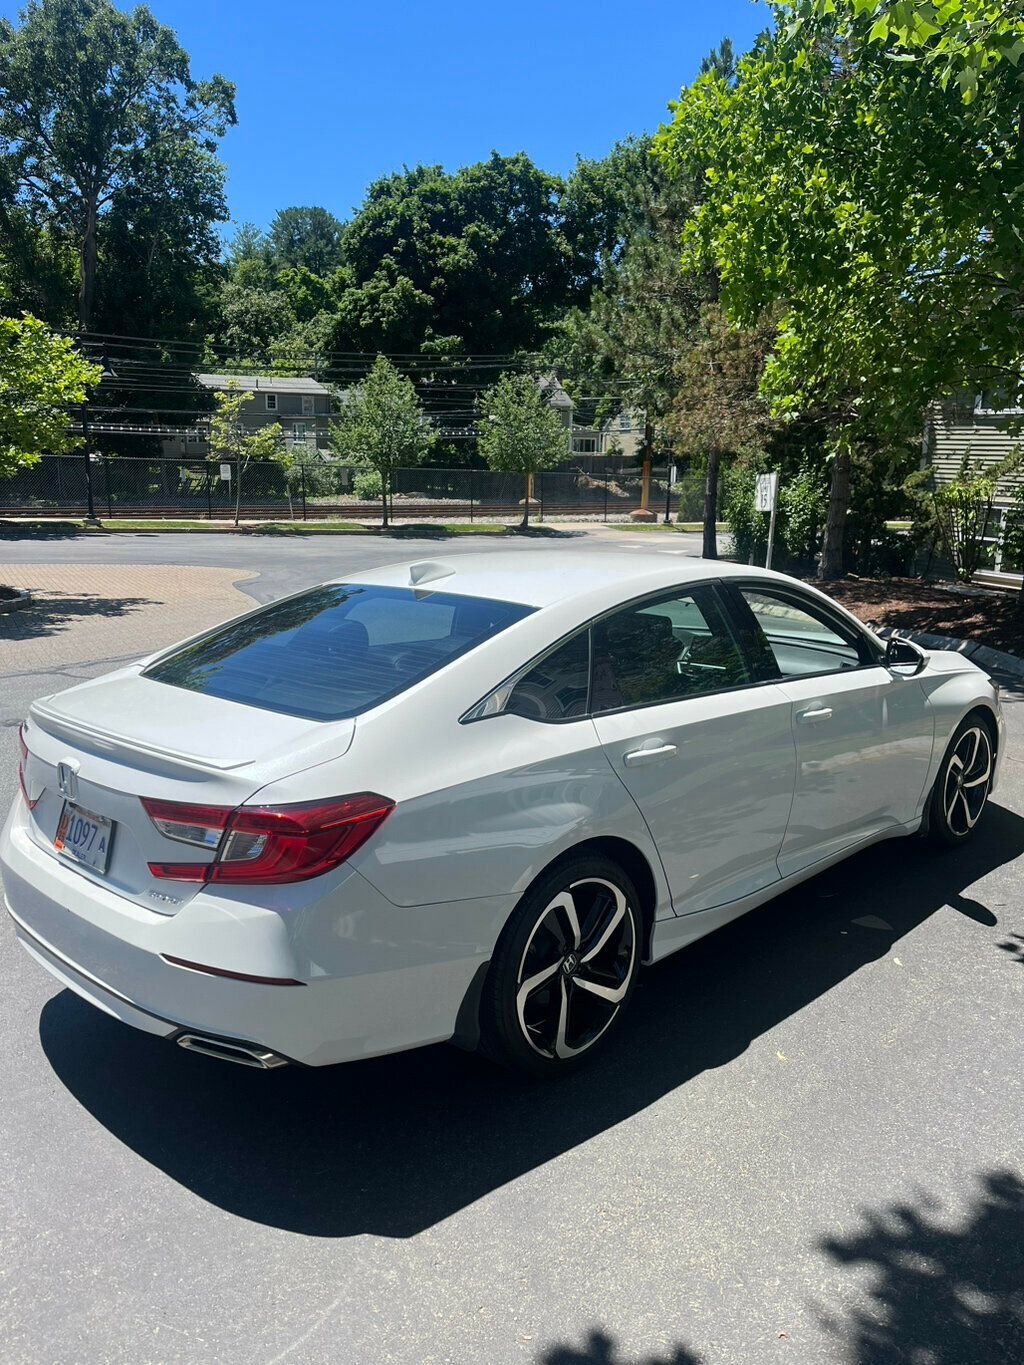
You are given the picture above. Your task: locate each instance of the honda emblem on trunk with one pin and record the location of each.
(67, 780)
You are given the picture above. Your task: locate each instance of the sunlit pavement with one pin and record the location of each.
(804, 1144)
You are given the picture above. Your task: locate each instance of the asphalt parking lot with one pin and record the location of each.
(804, 1144)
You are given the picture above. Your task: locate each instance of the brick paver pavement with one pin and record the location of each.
(96, 612)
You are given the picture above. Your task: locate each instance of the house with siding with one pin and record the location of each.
(977, 426)
(619, 438)
(302, 406)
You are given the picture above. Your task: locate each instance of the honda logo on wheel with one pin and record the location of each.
(67, 780)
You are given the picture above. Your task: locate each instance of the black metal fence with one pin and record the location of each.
(191, 489)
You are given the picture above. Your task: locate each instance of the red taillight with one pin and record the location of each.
(22, 760)
(267, 843)
(188, 824)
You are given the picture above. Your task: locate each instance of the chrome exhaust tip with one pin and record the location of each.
(242, 1054)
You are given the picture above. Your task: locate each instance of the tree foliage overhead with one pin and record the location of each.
(964, 39)
(873, 202)
(42, 377)
(91, 101)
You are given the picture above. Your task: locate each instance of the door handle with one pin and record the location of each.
(815, 713)
(637, 756)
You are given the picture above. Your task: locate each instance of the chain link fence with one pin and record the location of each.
(191, 489)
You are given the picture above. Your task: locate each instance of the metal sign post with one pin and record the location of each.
(767, 500)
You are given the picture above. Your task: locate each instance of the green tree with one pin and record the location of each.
(876, 205)
(717, 409)
(246, 243)
(42, 376)
(480, 255)
(382, 425)
(520, 432)
(306, 238)
(721, 61)
(231, 443)
(88, 95)
(964, 39)
(160, 252)
(626, 345)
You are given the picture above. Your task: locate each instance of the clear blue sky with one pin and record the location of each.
(333, 94)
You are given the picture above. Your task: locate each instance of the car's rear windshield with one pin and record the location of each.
(336, 650)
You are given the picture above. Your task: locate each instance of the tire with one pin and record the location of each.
(962, 786)
(564, 968)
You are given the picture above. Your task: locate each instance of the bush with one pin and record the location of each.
(963, 510)
(803, 504)
(689, 494)
(368, 485)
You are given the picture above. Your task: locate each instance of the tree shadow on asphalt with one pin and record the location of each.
(939, 1294)
(51, 612)
(394, 1145)
(600, 1349)
(938, 1291)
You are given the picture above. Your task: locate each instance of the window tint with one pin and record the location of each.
(664, 651)
(337, 650)
(801, 641)
(556, 688)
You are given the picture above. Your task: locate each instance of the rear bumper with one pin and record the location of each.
(375, 978)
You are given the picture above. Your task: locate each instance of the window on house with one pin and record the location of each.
(999, 400)
(299, 432)
(308, 405)
(625, 422)
(584, 445)
(271, 402)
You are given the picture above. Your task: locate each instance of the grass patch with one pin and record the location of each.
(25, 526)
(688, 526)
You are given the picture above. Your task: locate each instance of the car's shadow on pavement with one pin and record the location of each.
(394, 1145)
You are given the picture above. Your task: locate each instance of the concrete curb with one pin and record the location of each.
(991, 660)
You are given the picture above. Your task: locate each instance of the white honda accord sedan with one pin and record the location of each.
(468, 800)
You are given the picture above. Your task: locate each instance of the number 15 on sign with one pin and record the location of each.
(766, 500)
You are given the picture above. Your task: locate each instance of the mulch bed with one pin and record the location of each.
(991, 618)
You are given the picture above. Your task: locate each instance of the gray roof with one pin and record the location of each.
(552, 390)
(259, 383)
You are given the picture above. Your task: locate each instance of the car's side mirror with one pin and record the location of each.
(903, 658)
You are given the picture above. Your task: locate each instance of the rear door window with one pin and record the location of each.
(664, 651)
(337, 650)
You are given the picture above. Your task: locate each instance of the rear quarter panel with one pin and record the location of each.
(481, 808)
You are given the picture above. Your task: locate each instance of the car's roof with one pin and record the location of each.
(541, 578)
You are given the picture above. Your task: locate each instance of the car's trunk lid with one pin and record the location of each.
(124, 737)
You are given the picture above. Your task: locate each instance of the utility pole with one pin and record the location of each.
(106, 373)
(91, 514)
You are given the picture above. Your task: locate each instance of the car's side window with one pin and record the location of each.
(802, 639)
(555, 688)
(664, 651)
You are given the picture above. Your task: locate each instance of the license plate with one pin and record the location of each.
(84, 836)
